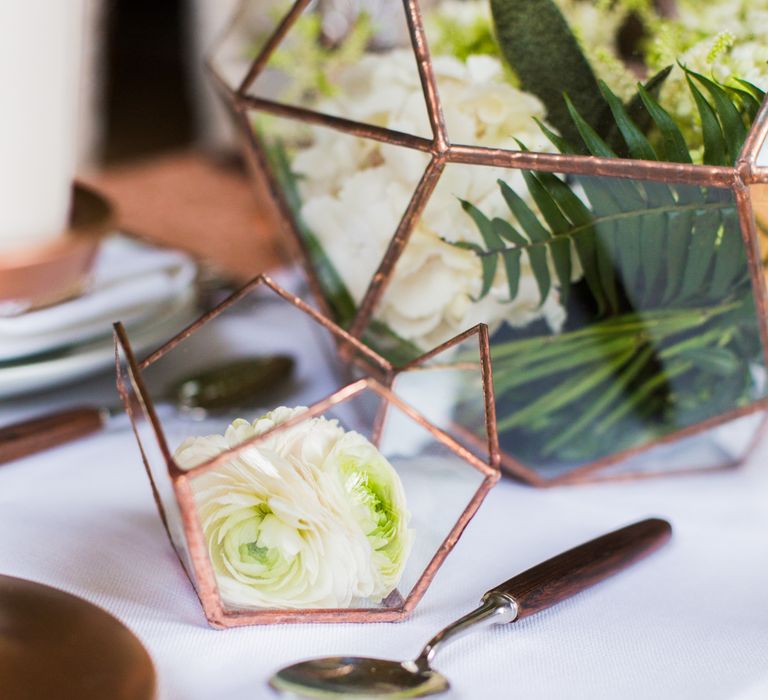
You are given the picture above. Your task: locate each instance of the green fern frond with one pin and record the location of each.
(638, 243)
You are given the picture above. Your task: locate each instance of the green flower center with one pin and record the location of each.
(244, 541)
(380, 522)
(253, 552)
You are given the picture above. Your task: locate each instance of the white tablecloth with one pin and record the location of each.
(689, 623)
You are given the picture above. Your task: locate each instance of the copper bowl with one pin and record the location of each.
(47, 273)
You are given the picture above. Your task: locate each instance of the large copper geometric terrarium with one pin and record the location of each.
(444, 477)
(695, 358)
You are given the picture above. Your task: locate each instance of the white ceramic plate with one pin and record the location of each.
(132, 281)
(95, 356)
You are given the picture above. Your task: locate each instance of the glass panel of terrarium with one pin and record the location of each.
(762, 155)
(151, 453)
(759, 199)
(621, 310)
(246, 34)
(279, 517)
(724, 446)
(447, 389)
(259, 354)
(480, 101)
(346, 62)
(438, 485)
(486, 103)
(436, 288)
(347, 196)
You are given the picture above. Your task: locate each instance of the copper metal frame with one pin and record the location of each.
(138, 401)
(739, 178)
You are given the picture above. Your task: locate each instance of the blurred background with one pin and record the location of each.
(116, 94)
(153, 132)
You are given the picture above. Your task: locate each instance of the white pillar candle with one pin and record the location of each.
(40, 48)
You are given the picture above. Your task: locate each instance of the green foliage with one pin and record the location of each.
(311, 62)
(636, 112)
(544, 54)
(540, 48)
(661, 322)
(455, 38)
(336, 293)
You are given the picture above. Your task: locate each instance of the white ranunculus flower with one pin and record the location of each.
(376, 495)
(310, 517)
(354, 192)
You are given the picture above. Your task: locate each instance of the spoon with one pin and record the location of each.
(222, 387)
(538, 588)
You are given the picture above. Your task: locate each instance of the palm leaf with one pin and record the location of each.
(638, 146)
(635, 110)
(673, 144)
(755, 91)
(750, 105)
(728, 114)
(715, 147)
(491, 239)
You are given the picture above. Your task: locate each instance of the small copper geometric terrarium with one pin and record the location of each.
(280, 525)
(625, 296)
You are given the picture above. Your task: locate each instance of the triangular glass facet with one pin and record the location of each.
(244, 38)
(346, 196)
(354, 65)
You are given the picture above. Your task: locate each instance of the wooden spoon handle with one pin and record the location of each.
(38, 434)
(571, 572)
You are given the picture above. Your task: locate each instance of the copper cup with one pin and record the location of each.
(47, 273)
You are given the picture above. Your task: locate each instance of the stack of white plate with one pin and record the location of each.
(151, 290)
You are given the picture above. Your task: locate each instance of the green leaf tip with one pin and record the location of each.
(541, 49)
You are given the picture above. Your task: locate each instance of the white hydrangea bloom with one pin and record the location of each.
(354, 192)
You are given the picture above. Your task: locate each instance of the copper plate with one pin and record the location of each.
(54, 645)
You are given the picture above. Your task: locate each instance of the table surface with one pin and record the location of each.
(689, 623)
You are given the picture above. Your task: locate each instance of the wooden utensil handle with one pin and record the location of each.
(571, 572)
(38, 434)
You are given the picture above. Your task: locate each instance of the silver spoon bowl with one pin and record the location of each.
(357, 675)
